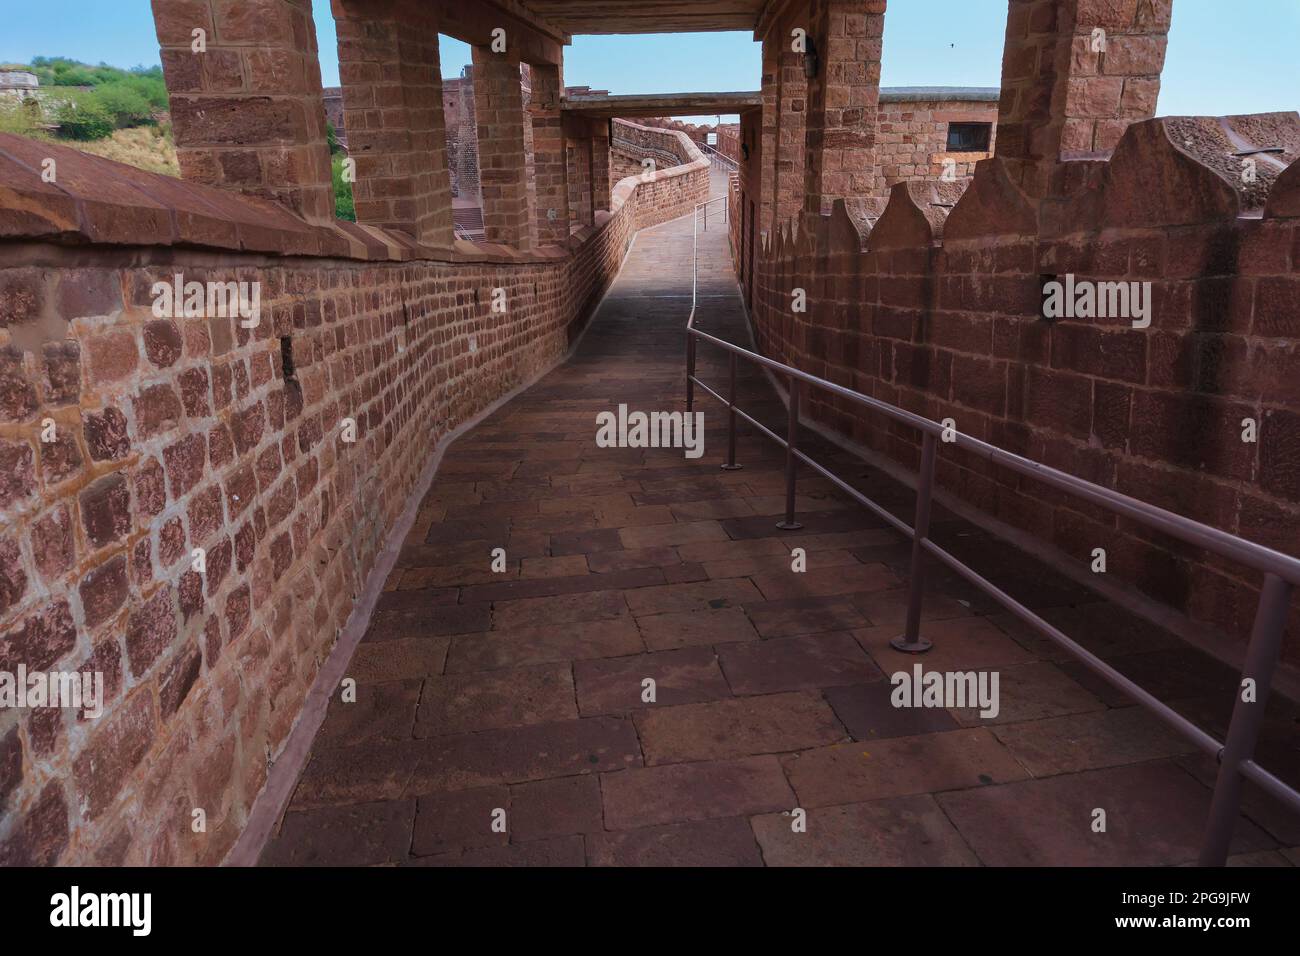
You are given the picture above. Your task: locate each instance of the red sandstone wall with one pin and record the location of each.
(174, 434)
(670, 191)
(729, 141)
(912, 140)
(945, 319)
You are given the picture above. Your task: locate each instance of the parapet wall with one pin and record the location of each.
(940, 310)
(128, 440)
(671, 190)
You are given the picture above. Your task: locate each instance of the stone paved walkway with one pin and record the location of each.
(522, 691)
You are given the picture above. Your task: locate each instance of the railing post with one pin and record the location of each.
(690, 371)
(911, 641)
(1247, 718)
(731, 420)
(792, 437)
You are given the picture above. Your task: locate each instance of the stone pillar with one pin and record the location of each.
(247, 109)
(503, 136)
(843, 101)
(392, 104)
(791, 130)
(550, 160)
(768, 131)
(577, 141)
(1075, 75)
(601, 187)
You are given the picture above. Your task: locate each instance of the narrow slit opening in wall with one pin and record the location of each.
(286, 358)
(461, 124)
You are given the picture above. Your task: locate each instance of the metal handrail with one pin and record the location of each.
(726, 160)
(1281, 571)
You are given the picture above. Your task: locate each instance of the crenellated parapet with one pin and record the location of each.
(1112, 294)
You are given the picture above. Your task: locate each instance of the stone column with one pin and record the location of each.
(247, 111)
(503, 149)
(1075, 75)
(577, 140)
(843, 101)
(791, 130)
(768, 131)
(550, 160)
(600, 184)
(392, 102)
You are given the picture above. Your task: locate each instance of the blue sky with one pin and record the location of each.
(1222, 58)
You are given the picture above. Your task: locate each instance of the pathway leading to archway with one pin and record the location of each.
(650, 682)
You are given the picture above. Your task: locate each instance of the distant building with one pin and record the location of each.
(18, 84)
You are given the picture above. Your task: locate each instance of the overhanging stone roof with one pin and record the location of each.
(708, 104)
(663, 104)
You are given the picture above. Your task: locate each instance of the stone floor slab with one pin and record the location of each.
(810, 662)
(1051, 822)
(900, 831)
(727, 842)
(850, 773)
(616, 685)
(688, 628)
(544, 643)
(522, 754)
(735, 728)
(360, 835)
(1090, 741)
(683, 792)
(513, 697)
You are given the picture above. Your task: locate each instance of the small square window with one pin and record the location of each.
(969, 137)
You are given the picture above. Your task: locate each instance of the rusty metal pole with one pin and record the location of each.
(731, 421)
(1247, 718)
(792, 438)
(911, 641)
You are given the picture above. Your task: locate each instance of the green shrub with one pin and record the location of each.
(21, 118)
(125, 101)
(343, 205)
(82, 116)
(149, 85)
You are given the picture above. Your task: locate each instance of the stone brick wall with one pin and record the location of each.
(942, 315)
(623, 163)
(333, 96)
(912, 140)
(670, 191)
(729, 141)
(169, 434)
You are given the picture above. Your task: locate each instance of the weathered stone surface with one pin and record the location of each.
(504, 698)
(704, 843)
(732, 728)
(796, 663)
(846, 773)
(900, 831)
(362, 835)
(694, 791)
(616, 685)
(1052, 822)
